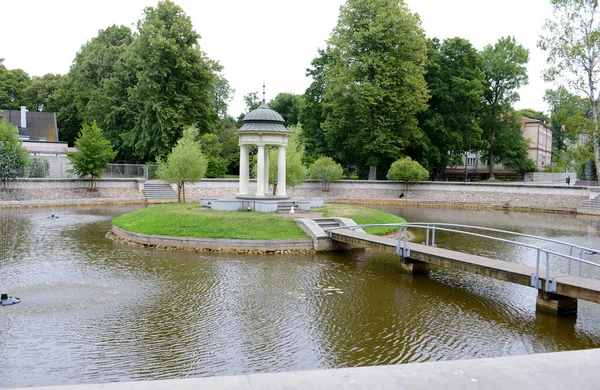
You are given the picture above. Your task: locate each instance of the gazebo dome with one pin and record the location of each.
(263, 119)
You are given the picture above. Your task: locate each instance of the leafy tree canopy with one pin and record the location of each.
(93, 154)
(374, 82)
(572, 39)
(326, 170)
(288, 105)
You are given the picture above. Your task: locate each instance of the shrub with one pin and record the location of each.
(39, 167)
(326, 170)
(406, 169)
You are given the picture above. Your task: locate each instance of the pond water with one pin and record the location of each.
(94, 310)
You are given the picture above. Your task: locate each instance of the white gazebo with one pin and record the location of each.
(265, 128)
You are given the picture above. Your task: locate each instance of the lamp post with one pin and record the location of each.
(12, 99)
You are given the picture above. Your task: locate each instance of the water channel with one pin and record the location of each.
(94, 310)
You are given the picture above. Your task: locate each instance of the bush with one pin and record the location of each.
(326, 170)
(39, 167)
(406, 169)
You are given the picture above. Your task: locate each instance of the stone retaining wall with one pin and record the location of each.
(212, 244)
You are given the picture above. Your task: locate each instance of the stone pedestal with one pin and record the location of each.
(414, 267)
(555, 303)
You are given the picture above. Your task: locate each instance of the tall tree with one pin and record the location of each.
(572, 41)
(13, 86)
(313, 114)
(185, 163)
(374, 82)
(455, 82)
(288, 105)
(42, 92)
(100, 80)
(174, 81)
(505, 71)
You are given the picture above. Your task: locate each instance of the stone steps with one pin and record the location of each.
(159, 191)
(590, 206)
(327, 223)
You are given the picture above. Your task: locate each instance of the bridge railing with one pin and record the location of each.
(402, 248)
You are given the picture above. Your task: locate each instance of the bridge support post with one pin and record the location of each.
(414, 267)
(555, 303)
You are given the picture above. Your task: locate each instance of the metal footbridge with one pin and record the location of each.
(562, 272)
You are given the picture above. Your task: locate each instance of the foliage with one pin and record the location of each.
(42, 92)
(93, 154)
(185, 163)
(455, 82)
(174, 81)
(226, 131)
(189, 220)
(313, 114)
(505, 71)
(13, 86)
(39, 167)
(14, 159)
(288, 105)
(373, 79)
(326, 170)
(295, 172)
(212, 149)
(406, 169)
(572, 41)
(533, 114)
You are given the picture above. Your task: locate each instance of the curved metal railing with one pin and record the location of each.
(403, 249)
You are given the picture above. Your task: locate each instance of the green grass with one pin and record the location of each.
(362, 216)
(190, 220)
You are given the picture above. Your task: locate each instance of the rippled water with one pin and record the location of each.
(98, 311)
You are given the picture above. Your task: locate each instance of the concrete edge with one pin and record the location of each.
(571, 369)
(212, 244)
(71, 202)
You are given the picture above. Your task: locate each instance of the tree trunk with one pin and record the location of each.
(491, 156)
(183, 190)
(373, 172)
(595, 139)
(178, 192)
(274, 189)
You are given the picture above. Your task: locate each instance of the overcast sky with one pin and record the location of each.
(274, 40)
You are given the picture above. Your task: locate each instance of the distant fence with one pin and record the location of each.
(113, 171)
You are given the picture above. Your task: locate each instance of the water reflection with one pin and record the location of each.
(95, 310)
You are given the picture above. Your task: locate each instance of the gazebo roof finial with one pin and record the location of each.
(264, 101)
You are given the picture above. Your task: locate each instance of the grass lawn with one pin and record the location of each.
(190, 220)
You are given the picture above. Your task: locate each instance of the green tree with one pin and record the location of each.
(226, 131)
(13, 86)
(505, 71)
(455, 82)
(374, 82)
(93, 154)
(174, 81)
(572, 43)
(569, 116)
(313, 114)
(533, 114)
(42, 92)
(185, 163)
(14, 158)
(326, 170)
(288, 105)
(213, 150)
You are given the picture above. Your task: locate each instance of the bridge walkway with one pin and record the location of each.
(567, 286)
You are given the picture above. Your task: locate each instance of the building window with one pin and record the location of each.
(472, 160)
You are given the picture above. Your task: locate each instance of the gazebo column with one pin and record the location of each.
(267, 170)
(281, 169)
(260, 179)
(244, 170)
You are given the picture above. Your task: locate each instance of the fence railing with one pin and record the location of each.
(402, 248)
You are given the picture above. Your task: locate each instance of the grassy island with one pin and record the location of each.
(191, 220)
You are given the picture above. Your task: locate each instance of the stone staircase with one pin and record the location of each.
(157, 190)
(285, 207)
(590, 206)
(327, 223)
